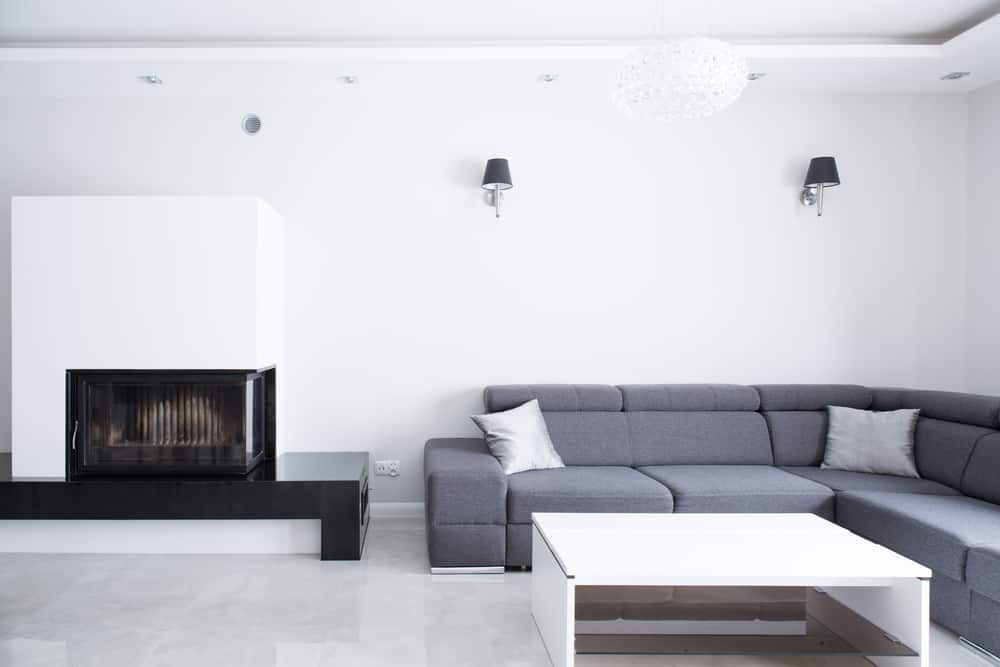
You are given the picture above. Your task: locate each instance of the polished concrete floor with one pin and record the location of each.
(287, 611)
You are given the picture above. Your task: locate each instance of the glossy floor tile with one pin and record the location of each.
(291, 611)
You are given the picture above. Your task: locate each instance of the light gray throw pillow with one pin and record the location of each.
(519, 438)
(876, 442)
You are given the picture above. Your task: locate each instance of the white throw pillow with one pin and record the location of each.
(876, 442)
(519, 438)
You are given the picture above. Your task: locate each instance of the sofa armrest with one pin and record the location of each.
(464, 483)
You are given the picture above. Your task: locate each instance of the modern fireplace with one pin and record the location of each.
(168, 423)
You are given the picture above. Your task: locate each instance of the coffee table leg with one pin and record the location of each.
(902, 610)
(553, 603)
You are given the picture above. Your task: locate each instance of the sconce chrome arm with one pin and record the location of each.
(813, 196)
(497, 198)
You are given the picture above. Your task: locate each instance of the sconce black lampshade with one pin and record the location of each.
(497, 175)
(822, 171)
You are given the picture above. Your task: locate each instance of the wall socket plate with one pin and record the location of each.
(387, 468)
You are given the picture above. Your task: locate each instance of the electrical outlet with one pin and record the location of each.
(387, 468)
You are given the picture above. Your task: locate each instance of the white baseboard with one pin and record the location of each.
(397, 510)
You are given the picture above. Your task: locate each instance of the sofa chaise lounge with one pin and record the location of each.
(734, 448)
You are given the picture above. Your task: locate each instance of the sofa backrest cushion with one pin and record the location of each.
(982, 475)
(943, 449)
(797, 438)
(585, 421)
(682, 438)
(950, 426)
(554, 397)
(796, 417)
(682, 424)
(590, 438)
(944, 405)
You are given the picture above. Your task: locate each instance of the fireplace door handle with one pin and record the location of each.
(76, 425)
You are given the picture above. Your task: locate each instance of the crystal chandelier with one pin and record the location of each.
(686, 78)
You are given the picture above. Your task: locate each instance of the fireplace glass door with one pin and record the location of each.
(166, 423)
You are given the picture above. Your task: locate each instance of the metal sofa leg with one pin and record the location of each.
(492, 569)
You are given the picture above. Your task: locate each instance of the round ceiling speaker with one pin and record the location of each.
(251, 123)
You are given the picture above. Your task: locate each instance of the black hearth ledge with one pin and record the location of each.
(329, 486)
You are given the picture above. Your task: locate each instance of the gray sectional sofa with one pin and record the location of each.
(734, 448)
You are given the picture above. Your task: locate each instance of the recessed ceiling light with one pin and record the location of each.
(349, 79)
(251, 123)
(548, 78)
(151, 79)
(954, 76)
(756, 76)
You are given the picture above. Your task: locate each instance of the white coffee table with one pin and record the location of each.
(859, 599)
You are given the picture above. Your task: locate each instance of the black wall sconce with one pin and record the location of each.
(822, 174)
(496, 179)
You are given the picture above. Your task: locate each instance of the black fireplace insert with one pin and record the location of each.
(168, 423)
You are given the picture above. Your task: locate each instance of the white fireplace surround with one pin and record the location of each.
(134, 283)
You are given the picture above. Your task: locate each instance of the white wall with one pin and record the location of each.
(133, 282)
(628, 251)
(984, 240)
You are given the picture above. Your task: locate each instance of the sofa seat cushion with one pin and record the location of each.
(934, 530)
(739, 488)
(584, 489)
(983, 571)
(843, 480)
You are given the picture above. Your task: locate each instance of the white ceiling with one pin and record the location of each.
(476, 20)
(254, 47)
